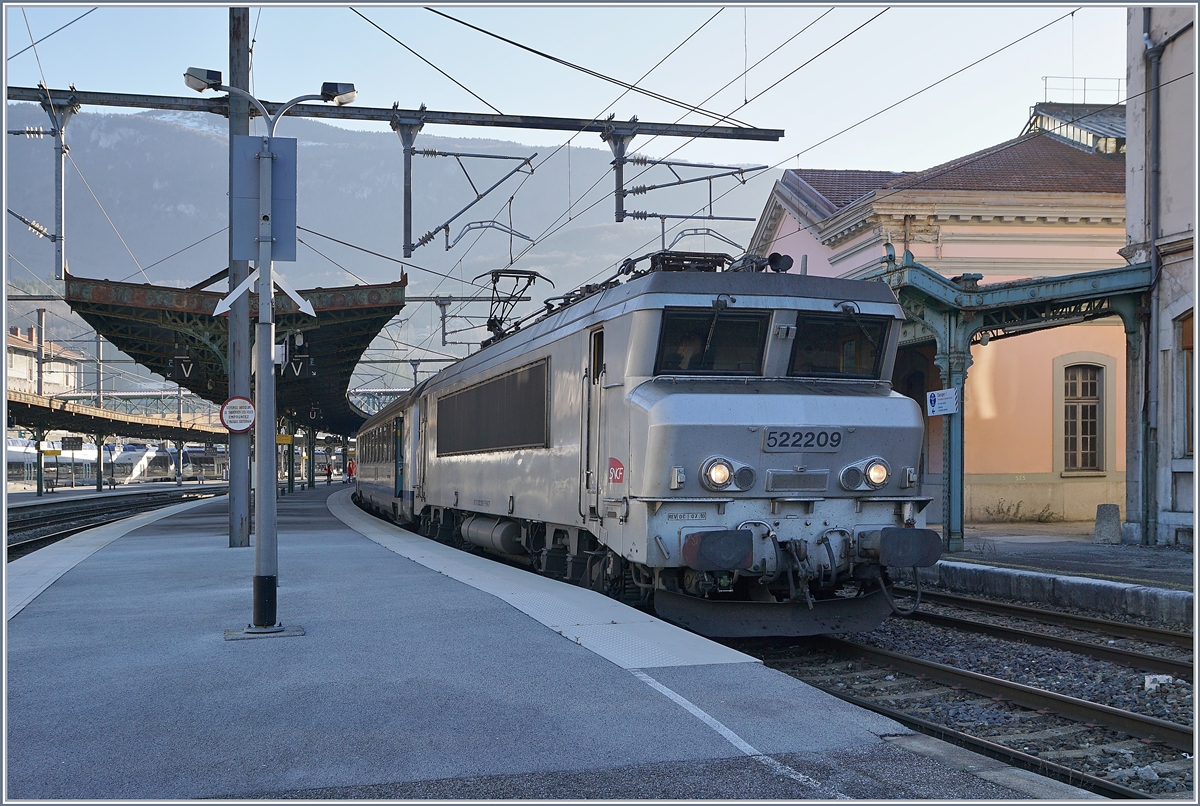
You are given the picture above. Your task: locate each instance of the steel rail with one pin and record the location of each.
(987, 747)
(1122, 657)
(28, 517)
(1087, 623)
(21, 548)
(1179, 737)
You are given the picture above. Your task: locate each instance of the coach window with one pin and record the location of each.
(838, 346)
(1082, 439)
(597, 368)
(711, 342)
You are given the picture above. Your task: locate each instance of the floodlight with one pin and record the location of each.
(200, 79)
(340, 94)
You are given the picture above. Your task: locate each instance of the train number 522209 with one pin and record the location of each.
(790, 440)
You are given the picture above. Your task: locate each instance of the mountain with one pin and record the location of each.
(159, 179)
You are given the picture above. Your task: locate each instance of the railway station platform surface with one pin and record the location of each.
(1058, 563)
(419, 672)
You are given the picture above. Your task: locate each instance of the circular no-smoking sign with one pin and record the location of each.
(237, 414)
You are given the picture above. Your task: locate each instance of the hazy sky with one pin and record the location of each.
(145, 49)
(822, 69)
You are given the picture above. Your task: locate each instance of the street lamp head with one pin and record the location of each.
(200, 79)
(340, 94)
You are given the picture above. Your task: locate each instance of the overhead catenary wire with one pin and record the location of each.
(552, 228)
(431, 64)
(960, 163)
(181, 251)
(52, 33)
(109, 218)
(649, 93)
(385, 257)
(876, 114)
(567, 144)
(839, 41)
(33, 274)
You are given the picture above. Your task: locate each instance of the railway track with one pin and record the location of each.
(34, 526)
(1114, 751)
(1150, 635)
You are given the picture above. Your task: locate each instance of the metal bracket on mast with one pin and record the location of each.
(526, 162)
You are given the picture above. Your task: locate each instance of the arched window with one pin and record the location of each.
(1082, 418)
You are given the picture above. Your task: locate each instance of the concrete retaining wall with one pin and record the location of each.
(1098, 595)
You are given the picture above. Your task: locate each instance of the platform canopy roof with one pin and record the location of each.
(153, 324)
(51, 414)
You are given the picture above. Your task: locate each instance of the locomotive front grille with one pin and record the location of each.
(793, 481)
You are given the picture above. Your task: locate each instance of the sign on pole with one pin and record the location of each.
(943, 401)
(237, 414)
(244, 190)
(72, 443)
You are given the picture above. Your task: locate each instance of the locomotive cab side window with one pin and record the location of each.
(696, 341)
(839, 346)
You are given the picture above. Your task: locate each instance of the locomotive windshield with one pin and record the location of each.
(845, 346)
(711, 342)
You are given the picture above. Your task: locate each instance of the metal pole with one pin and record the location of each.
(40, 435)
(99, 371)
(239, 311)
(41, 350)
(1153, 58)
(291, 454)
(266, 548)
(60, 189)
(408, 136)
(99, 463)
(312, 457)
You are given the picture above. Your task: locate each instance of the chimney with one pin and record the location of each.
(14, 331)
(33, 334)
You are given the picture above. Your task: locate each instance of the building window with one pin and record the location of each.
(1189, 380)
(1081, 418)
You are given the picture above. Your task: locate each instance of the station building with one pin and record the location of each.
(61, 368)
(1044, 412)
(1161, 225)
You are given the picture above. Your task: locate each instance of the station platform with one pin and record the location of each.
(409, 671)
(1058, 563)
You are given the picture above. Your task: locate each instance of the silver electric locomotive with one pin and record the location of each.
(706, 435)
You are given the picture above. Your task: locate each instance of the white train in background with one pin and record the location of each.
(129, 464)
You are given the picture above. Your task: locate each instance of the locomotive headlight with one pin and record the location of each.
(876, 473)
(716, 474)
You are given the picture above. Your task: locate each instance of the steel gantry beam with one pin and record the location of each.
(407, 123)
(220, 106)
(957, 312)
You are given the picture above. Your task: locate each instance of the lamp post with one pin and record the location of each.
(266, 547)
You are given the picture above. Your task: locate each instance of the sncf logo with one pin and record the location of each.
(616, 471)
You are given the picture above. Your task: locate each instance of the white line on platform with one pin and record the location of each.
(777, 767)
(26, 578)
(627, 637)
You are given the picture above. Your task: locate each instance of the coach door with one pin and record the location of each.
(593, 413)
(398, 444)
